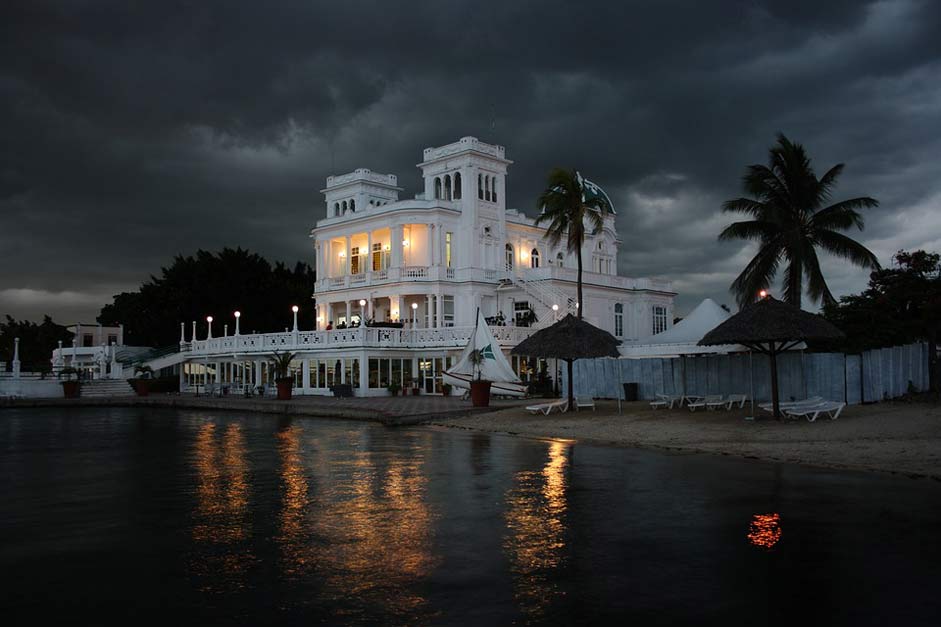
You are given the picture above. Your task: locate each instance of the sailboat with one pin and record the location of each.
(494, 367)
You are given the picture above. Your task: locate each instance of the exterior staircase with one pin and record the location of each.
(544, 293)
(102, 388)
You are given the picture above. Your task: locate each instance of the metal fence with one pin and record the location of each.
(873, 376)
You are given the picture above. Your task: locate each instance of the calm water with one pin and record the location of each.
(130, 514)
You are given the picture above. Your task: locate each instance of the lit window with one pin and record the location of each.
(447, 248)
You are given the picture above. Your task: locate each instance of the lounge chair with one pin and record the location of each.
(584, 401)
(546, 408)
(731, 400)
(832, 409)
(813, 400)
(665, 400)
(709, 402)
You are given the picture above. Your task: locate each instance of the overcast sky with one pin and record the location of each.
(131, 134)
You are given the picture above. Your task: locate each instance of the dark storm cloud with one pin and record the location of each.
(134, 132)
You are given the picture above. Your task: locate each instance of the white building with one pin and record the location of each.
(415, 270)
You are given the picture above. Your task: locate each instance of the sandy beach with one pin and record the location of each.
(902, 438)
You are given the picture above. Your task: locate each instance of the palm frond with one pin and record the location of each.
(753, 208)
(846, 248)
(817, 287)
(758, 274)
(843, 215)
(750, 230)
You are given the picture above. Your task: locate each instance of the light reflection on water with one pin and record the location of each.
(221, 516)
(765, 530)
(367, 530)
(536, 529)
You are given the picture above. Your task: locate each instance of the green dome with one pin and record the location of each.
(593, 190)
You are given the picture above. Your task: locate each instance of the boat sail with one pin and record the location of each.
(494, 368)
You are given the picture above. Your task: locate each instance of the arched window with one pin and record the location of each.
(352, 205)
(437, 188)
(344, 207)
(509, 256)
(486, 188)
(534, 258)
(618, 320)
(457, 186)
(447, 187)
(560, 260)
(336, 208)
(480, 186)
(493, 189)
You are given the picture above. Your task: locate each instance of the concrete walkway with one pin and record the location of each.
(398, 410)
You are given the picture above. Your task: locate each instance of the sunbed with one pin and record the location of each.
(546, 408)
(584, 401)
(832, 409)
(665, 400)
(710, 401)
(813, 400)
(728, 402)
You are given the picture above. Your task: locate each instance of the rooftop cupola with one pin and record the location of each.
(359, 190)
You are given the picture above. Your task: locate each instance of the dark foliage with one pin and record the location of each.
(217, 285)
(37, 341)
(901, 305)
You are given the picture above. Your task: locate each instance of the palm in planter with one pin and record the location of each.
(480, 388)
(142, 382)
(70, 387)
(281, 362)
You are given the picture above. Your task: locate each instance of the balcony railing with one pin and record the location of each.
(357, 337)
(487, 275)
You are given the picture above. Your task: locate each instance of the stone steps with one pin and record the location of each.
(102, 388)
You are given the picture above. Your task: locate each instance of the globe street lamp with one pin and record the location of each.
(362, 311)
(414, 313)
(209, 322)
(238, 314)
(295, 309)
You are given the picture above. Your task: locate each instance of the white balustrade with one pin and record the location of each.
(355, 337)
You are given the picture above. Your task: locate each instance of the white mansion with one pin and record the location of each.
(399, 282)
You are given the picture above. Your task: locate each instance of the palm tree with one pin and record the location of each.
(568, 209)
(790, 222)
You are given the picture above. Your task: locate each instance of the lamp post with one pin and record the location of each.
(238, 314)
(414, 313)
(295, 309)
(555, 312)
(194, 332)
(362, 311)
(209, 324)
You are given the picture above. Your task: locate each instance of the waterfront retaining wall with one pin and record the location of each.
(873, 376)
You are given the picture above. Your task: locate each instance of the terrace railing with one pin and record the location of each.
(356, 337)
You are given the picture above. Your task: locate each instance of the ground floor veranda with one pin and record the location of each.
(367, 372)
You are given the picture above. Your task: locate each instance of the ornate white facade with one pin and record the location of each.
(427, 263)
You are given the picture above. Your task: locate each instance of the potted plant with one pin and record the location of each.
(479, 388)
(394, 388)
(141, 384)
(70, 387)
(446, 389)
(283, 379)
(413, 385)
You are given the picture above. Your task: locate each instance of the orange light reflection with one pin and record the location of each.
(765, 530)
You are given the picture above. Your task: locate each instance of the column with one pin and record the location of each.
(182, 376)
(349, 311)
(363, 374)
(439, 309)
(343, 368)
(257, 365)
(368, 267)
(396, 246)
(429, 320)
(305, 376)
(430, 230)
(349, 256)
(16, 358)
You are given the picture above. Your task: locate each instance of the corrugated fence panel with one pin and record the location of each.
(854, 380)
(872, 376)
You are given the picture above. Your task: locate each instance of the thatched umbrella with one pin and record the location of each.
(569, 339)
(770, 326)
